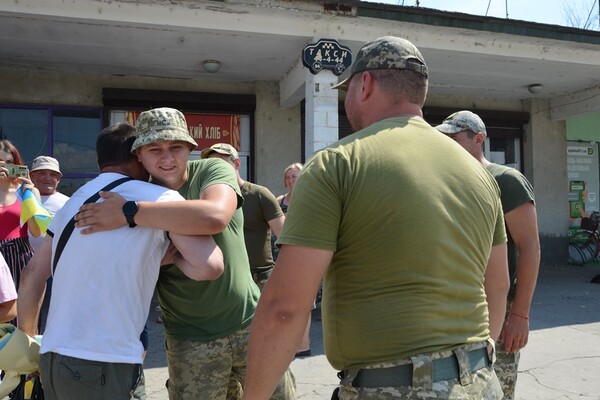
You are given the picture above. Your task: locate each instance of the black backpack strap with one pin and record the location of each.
(66, 233)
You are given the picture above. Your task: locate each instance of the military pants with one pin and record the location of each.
(215, 370)
(507, 364)
(480, 384)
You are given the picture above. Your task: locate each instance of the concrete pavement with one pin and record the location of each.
(561, 361)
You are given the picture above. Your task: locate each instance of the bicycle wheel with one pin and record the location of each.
(583, 247)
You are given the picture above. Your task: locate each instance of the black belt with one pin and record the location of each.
(443, 369)
(261, 275)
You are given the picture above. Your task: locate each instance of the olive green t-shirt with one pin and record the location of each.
(209, 310)
(515, 190)
(260, 206)
(411, 218)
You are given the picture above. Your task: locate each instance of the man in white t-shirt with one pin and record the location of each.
(103, 284)
(8, 293)
(45, 175)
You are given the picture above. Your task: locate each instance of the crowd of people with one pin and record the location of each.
(408, 312)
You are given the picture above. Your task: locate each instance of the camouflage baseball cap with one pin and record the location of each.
(161, 124)
(462, 121)
(221, 148)
(387, 52)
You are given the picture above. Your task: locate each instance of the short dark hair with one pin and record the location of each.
(402, 85)
(7, 146)
(113, 146)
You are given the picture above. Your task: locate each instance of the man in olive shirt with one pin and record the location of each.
(407, 232)
(262, 214)
(518, 204)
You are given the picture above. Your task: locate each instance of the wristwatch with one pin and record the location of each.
(130, 208)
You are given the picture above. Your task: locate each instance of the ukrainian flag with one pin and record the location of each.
(31, 207)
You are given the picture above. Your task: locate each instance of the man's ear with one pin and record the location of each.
(480, 139)
(366, 83)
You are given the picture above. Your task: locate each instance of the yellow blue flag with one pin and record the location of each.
(31, 207)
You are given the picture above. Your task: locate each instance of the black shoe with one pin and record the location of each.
(304, 353)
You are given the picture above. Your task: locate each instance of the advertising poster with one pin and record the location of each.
(206, 129)
(582, 176)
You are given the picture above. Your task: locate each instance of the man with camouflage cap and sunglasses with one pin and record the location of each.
(262, 215)
(404, 229)
(206, 323)
(518, 204)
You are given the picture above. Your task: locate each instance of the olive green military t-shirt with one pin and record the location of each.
(260, 206)
(515, 190)
(411, 218)
(208, 310)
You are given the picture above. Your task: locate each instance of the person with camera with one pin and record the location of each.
(14, 242)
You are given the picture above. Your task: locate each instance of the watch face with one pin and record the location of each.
(130, 208)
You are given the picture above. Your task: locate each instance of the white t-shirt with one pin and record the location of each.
(52, 203)
(104, 282)
(7, 285)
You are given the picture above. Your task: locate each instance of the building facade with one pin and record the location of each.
(235, 69)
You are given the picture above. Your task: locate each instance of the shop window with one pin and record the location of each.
(208, 129)
(196, 106)
(67, 134)
(504, 150)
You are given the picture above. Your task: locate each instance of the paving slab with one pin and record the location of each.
(561, 361)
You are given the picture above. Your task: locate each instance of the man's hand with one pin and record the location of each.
(515, 333)
(27, 184)
(105, 216)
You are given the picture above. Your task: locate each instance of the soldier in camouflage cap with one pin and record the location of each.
(207, 322)
(388, 52)
(462, 121)
(162, 124)
(344, 226)
(518, 203)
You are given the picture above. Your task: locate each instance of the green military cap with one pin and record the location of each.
(161, 124)
(387, 52)
(462, 121)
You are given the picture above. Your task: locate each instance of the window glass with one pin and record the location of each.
(505, 151)
(68, 134)
(74, 140)
(200, 124)
(27, 129)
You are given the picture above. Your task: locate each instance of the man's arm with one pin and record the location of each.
(32, 287)
(521, 222)
(8, 310)
(496, 288)
(281, 315)
(276, 225)
(208, 215)
(198, 257)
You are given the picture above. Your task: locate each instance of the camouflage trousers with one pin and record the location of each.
(506, 368)
(215, 370)
(481, 384)
(507, 365)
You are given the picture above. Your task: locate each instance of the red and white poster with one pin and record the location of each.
(206, 129)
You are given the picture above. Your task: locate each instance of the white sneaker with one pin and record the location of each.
(159, 319)
(157, 308)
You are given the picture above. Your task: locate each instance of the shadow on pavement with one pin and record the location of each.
(565, 296)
